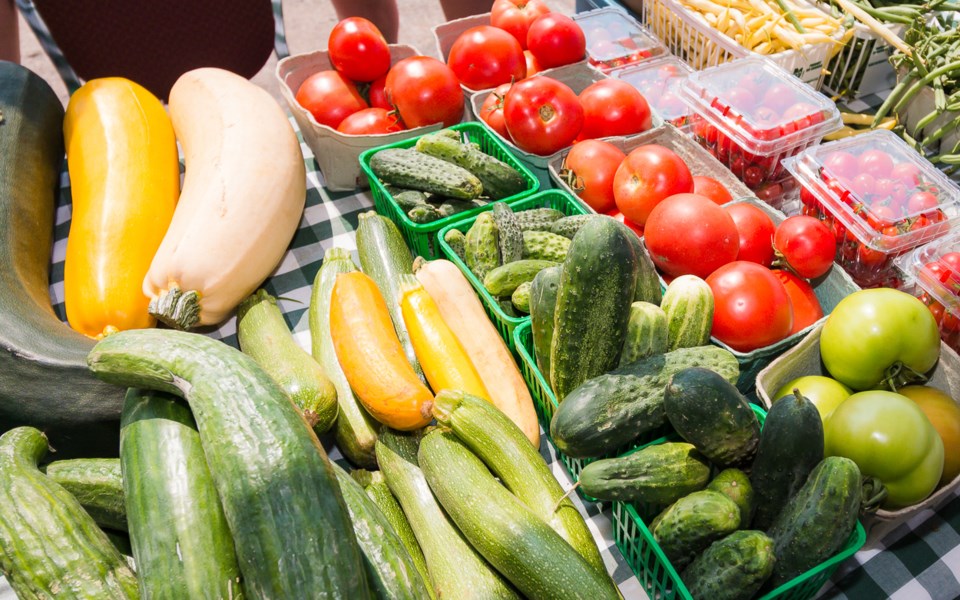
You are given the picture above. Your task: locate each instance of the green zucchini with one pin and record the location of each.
(688, 526)
(510, 235)
(537, 219)
(263, 336)
(735, 484)
(389, 566)
(688, 303)
(517, 542)
(97, 484)
(503, 280)
(543, 303)
(593, 304)
(408, 168)
(503, 447)
(646, 333)
(456, 569)
(281, 499)
(180, 539)
(499, 179)
(732, 568)
(613, 410)
(356, 430)
(520, 298)
(482, 245)
(544, 245)
(49, 546)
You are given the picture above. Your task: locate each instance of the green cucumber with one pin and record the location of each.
(543, 303)
(646, 333)
(521, 297)
(281, 499)
(482, 245)
(537, 219)
(735, 484)
(648, 280)
(569, 226)
(611, 411)
(424, 213)
(356, 430)
(407, 199)
(503, 280)
(97, 484)
(510, 234)
(457, 242)
(499, 179)
(456, 569)
(410, 169)
(49, 546)
(688, 303)
(450, 206)
(732, 568)
(514, 539)
(544, 245)
(179, 535)
(688, 526)
(593, 304)
(263, 336)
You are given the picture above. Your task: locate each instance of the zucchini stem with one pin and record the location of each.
(176, 308)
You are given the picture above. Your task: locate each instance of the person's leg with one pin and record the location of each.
(383, 14)
(9, 32)
(457, 9)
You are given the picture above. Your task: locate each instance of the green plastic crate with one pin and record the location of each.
(505, 323)
(420, 236)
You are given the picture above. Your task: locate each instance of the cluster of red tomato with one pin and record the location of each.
(940, 280)
(615, 40)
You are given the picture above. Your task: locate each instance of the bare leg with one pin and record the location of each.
(383, 14)
(9, 32)
(457, 9)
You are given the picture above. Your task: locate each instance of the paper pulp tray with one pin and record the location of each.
(804, 359)
(420, 236)
(504, 323)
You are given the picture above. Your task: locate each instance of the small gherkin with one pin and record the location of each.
(482, 245)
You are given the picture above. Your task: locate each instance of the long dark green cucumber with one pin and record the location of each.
(517, 542)
(290, 526)
(49, 546)
(97, 484)
(180, 539)
(456, 569)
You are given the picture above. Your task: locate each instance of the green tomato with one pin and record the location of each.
(877, 335)
(825, 393)
(889, 438)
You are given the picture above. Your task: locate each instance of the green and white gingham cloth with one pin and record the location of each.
(920, 560)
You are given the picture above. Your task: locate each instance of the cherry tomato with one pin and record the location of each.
(358, 50)
(649, 174)
(841, 165)
(875, 162)
(613, 107)
(751, 306)
(922, 202)
(807, 245)
(755, 229)
(556, 40)
(330, 97)
(543, 115)
(908, 173)
(370, 121)
(709, 239)
(863, 185)
(484, 57)
(377, 95)
(589, 169)
(803, 300)
(425, 91)
(778, 97)
(516, 16)
(711, 188)
(491, 111)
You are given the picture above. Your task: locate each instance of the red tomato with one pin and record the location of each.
(690, 234)
(516, 16)
(875, 162)
(908, 173)
(370, 121)
(532, 65)
(425, 91)
(543, 115)
(755, 229)
(751, 307)
(556, 40)
(807, 245)
(589, 169)
(633, 226)
(711, 188)
(613, 107)
(377, 95)
(803, 300)
(491, 111)
(330, 97)
(841, 164)
(922, 202)
(358, 50)
(484, 57)
(647, 175)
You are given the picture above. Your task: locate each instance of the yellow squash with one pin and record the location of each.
(125, 180)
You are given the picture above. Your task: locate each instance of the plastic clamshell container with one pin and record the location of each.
(420, 236)
(750, 114)
(659, 79)
(938, 286)
(874, 225)
(615, 39)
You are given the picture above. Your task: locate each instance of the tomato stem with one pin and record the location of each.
(547, 113)
(872, 495)
(898, 375)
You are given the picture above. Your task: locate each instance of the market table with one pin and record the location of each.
(918, 560)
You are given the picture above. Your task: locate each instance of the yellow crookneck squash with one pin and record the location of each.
(125, 181)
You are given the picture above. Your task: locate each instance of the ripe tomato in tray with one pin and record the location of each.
(659, 80)
(755, 229)
(711, 188)
(425, 91)
(358, 49)
(649, 174)
(330, 97)
(589, 169)
(690, 234)
(516, 16)
(543, 115)
(484, 57)
(370, 121)
(751, 306)
(612, 107)
(806, 244)
(803, 300)
(491, 111)
(556, 40)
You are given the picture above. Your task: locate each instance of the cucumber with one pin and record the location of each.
(450, 207)
(593, 304)
(544, 245)
(735, 484)
(791, 445)
(97, 484)
(646, 333)
(543, 302)
(657, 475)
(179, 535)
(613, 410)
(537, 219)
(510, 235)
(356, 430)
(424, 213)
(733, 568)
(457, 242)
(503, 280)
(648, 280)
(49, 546)
(688, 303)
(482, 245)
(293, 537)
(456, 569)
(521, 297)
(688, 526)
(707, 410)
(569, 226)
(263, 336)
(389, 566)
(499, 179)
(518, 543)
(407, 168)
(407, 199)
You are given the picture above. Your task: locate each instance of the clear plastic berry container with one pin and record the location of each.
(880, 198)
(934, 272)
(659, 81)
(615, 39)
(750, 114)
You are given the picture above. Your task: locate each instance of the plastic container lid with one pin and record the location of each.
(880, 189)
(942, 285)
(659, 82)
(761, 107)
(614, 39)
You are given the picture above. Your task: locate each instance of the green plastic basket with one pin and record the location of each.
(505, 323)
(420, 236)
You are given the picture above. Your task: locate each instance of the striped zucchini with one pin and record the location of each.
(49, 546)
(688, 303)
(517, 542)
(97, 484)
(181, 543)
(543, 303)
(356, 430)
(290, 527)
(648, 280)
(646, 333)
